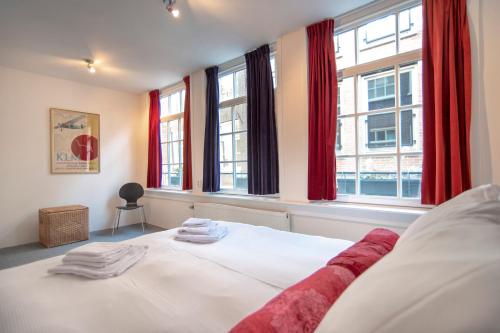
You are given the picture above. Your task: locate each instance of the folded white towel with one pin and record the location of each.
(100, 250)
(134, 254)
(214, 236)
(196, 222)
(198, 230)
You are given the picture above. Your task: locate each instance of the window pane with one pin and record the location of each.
(240, 117)
(181, 147)
(226, 181)
(272, 60)
(377, 90)
(410, 29)
(226, 167)
(378, 175)
(225, 123)
(345, 49)
(226, 147)
(346, 175)
(183, 99)
(411, 175)
(240, 140)
(377, 39)
(164, 153)
(377, 133)
(346, 135)
(346, 98)
(163, 106)
(173, 130)
(240, 83)
(241, 181)
(242, 167)
(411, 130)
(174, 152)
(181, 128)
(226, 87)
(164, 180)
(410, 83)
(163, 131)
(175, 103)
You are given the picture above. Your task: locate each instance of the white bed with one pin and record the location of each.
(177, 287)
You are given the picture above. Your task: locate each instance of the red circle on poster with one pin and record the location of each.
(85, 147)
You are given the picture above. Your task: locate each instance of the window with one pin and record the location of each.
(171, 134)
(380, 106)
(233, 127)
(233, 130)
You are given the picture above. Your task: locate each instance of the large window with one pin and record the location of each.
(171, 133)
(233, 127)
(379, 144)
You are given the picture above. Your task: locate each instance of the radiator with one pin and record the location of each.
(267, 218)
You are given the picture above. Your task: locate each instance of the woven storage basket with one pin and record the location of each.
(63, 225)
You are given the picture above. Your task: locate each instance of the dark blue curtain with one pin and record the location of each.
(263, 177)
(211, 159)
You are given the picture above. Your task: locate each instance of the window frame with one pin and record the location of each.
(396, 63)
(166, 93)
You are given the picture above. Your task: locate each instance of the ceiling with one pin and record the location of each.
(137, 44)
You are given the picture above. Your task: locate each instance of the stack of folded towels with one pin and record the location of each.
(203, 231)
(100, 260)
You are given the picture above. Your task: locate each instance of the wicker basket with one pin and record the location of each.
(63, 225)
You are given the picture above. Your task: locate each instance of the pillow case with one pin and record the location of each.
(301, 307)
(443, 276)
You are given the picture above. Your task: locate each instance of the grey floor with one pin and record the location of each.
(23, 254)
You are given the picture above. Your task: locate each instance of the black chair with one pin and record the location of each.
(131, 192)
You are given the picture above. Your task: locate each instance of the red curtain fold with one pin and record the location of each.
(322, 112)
(154, 148)
(446, 57)
(187, 170)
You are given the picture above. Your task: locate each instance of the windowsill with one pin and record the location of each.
(343, 201)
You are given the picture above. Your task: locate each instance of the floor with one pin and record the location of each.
(23, 254)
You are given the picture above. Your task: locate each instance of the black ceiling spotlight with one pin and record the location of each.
(170, 4)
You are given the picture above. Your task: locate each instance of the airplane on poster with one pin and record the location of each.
(71, 124)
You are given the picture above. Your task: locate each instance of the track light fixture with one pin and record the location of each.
(90, 65)
(170, 4)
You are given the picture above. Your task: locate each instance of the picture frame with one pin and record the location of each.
(74, 142)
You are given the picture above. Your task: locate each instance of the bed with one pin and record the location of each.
(177, 287)
(441, 275)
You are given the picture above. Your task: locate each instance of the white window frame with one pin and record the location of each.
(395, 62)
(165, 93)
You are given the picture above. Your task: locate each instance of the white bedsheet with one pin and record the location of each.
(177, 287)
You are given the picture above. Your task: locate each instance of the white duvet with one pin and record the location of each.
(177, 287)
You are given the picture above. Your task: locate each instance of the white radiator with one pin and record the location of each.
(275, 220)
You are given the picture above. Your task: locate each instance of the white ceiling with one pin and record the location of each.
(139, 46)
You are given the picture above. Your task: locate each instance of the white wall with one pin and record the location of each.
(485, 131)
(27, 183)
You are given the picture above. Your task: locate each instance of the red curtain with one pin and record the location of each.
(322, 112)
(154, 149)
(447, 100)
(187, 170)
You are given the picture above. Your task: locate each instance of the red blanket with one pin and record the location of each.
(301, 307)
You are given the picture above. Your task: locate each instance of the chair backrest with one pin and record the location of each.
(131, 192)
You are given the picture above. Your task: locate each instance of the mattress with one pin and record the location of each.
(177, 287)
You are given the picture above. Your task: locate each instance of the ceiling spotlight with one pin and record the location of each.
(171, 7)
(90, 65)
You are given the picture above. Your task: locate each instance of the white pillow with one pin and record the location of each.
(455, 207)
(443, 275)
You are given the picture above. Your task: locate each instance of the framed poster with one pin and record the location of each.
(74, 141)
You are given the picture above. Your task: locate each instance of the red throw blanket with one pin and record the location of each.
(301, 307)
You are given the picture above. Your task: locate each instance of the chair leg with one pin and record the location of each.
(143, 221)
(118, 220)
(114, 222)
